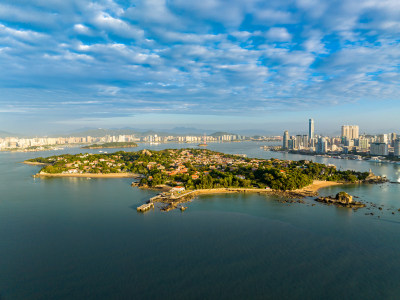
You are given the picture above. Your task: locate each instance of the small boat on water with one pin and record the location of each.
(183, 208)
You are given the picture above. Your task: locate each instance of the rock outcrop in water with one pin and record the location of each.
(372, 178)
(341, 199)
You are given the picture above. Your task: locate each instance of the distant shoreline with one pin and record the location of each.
(110, 147)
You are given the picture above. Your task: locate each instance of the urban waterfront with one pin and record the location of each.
(66, 238)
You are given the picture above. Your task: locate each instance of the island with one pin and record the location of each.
(182, 174)
(111, 145)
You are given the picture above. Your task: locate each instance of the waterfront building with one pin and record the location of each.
(397, 147)
(285, 140)
(306, 141)
(362, 143)
(310, 129)
(322, 145)
(350, 131)
(292, 144)
(313, 142)
(379, 149)
(299, 141)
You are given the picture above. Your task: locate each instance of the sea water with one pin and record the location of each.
(77, 238)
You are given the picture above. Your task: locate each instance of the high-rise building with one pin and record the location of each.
(285, 140)
(350, 131)
(311, 129)
(322, 145)
(382, 138)
(292, 144)
(397, 147)
(379, 149)
(362, 143)
(299, 141)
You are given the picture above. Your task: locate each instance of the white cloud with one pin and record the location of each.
(24, 35)
(116, 26)
(279, 34)
(82, 29)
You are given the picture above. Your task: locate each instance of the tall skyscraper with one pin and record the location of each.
(350, 132)
(311, 129)
(285, 140)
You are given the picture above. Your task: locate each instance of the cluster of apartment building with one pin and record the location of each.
(349, 141)
(23, 143)
(191, 138)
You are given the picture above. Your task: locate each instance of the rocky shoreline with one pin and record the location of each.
(175, 200)
(341, 199)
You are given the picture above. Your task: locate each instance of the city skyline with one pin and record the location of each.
(159, 64)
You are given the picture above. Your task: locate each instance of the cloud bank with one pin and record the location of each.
(114, 58)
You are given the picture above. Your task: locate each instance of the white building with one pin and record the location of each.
(379, 149)
(322, 145)
(350, 131)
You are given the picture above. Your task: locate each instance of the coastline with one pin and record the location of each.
(90, 175)
(317, 185)
(308, 191)
(312, 188)
(116, 147)
(34, 163)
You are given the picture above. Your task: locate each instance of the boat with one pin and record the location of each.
(183, 208)
(375, 159)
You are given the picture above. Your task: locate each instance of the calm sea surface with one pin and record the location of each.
(70, 238)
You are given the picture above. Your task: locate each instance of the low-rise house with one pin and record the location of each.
(177, 189)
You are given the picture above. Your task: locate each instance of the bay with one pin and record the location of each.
(74, 238)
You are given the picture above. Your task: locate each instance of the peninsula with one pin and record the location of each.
(197, 171)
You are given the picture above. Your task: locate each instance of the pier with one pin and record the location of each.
(145, 207)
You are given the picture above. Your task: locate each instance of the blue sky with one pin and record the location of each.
(237, 64)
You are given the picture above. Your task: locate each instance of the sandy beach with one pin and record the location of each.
(34, 163)
(90, 175)
(312, 188)
(318, 184)
(308, 191)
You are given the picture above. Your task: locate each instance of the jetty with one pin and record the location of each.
(145, 207)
